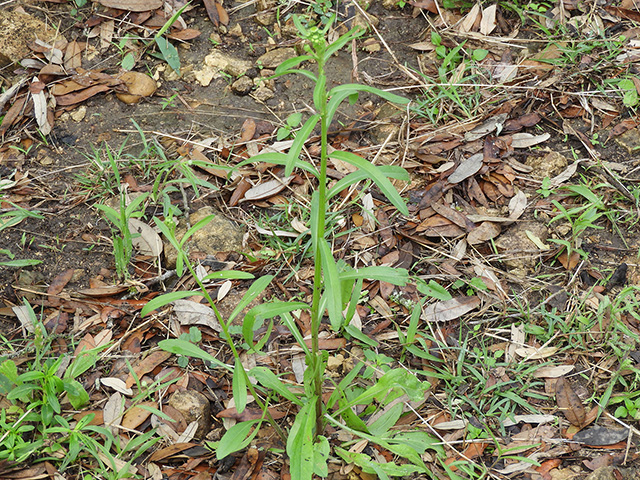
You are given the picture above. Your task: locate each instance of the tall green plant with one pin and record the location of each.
(336, 291)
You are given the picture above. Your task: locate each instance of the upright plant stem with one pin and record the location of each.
(316, 314)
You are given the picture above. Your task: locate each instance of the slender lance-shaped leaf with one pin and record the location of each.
(188, 349)
(255, 289)
(300, 442)
(239, 386)
(301, 136)
(319, 92)
(391, 171)
(395, 276)
(279, 159)
(342, 41)
(166, 299)
(269, 380)
(339, 93)
(236, 438)
(331, 285)
(377, 176)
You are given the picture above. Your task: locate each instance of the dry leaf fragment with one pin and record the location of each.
(524, 140)
(267, 189)
(483, 233)
(450, 309)
(488, 22)
(117, 385)
(553, 372)
(493, 124)
(517, 205)
(112, 412)
(132, 5)
(470, 19)
(467, 168)
(146, 365)
(532, 353)
(191, 313)
(569, 403)
(145, 238)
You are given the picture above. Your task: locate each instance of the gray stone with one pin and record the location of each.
(263, 94)
(275, 57)
(242, 86)
(219, 235)
(520, 253)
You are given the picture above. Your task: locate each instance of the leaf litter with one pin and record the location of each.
(470, 181)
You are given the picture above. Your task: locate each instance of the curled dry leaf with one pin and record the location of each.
(517, 205)
(145, 238)
(138, 86)
(525, 140)
(450, 309)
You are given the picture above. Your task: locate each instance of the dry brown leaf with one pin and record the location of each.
(146, 365)
(467, 168)
(553, 372)
(138, 85)
(267, 189)
(484, 232)
(517, 205)
(80, 96)
(132, 5)
(248, 130)
(448, 310)
(136, 415)
(569, 403)
(470, 20)
(190, 313)
(73, 56)
(145, 238)
(113, 411)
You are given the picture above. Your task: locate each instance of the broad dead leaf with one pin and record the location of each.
(450, 309)
(136, 415)
(146, 365)
(484, 232)
(517, 205)
(145, 238)
(132, 5)
(190, 313)
(488, 23)
(117, 385)
(569, 403)
(467, 168)
(267, 189)
(532, 353)
(525, 140)
(112, 412)
(553, 372)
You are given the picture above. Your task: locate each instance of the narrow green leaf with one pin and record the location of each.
(228, 275)
(239, 386)
(269, 380)
(194, 228)
(300, 442)
(20, 263)
(339, 93)
(331, 284)
(342, 41)
(293, 328)
(236, 438)
(377, 176)
(390, 171)
(292, 63)
(395, 276)
(321, 450)
(302, 136)
(169, 53)
(279, 159)
(165, 299)
(188, 349)
(252, 293)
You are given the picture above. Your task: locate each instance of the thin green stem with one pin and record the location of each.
(316, 314)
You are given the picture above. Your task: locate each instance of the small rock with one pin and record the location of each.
(629, 140)
(334, 363)
(275, 57)
(364, 20)
(548, 165)
(371, 45)
(79, 113)
(263, 94)
(219, 235)
(390, 4)
(17, 30)
(217, 62)
(521, 254)
(266, 14)
(242, 86)
(194, 407)
(236, 31)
